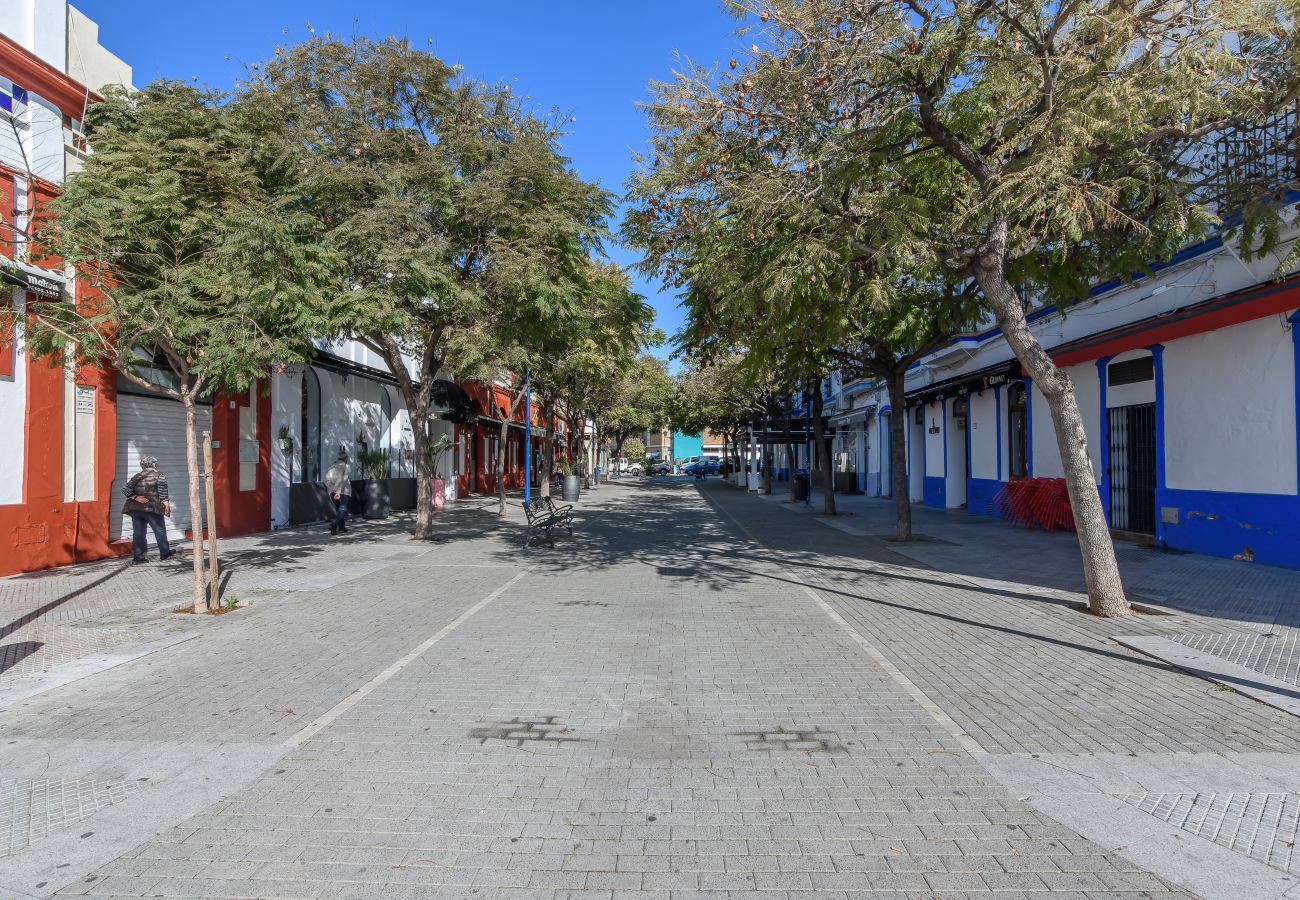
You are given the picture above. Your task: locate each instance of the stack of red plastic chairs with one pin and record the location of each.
(1036, 503)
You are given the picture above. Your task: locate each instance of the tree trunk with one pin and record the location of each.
(619, 440)
(1100, 569)
(196, 505)
(767, 469)
(424, 472)
(501, 452)
(821, 446)
(548, 450)
(897, 382)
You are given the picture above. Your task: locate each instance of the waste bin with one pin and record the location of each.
(800, 487)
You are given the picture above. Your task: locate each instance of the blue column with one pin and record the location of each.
(1103, 439)
(1294, 319)
(1158, 357)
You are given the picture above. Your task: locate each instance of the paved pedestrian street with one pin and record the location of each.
(701, 693)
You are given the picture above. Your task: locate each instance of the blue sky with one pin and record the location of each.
(591, 58)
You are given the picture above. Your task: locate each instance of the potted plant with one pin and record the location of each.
(437, 451)
(572, 480)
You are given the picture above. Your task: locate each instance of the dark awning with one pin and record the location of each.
(451, 402)
(773, 431)
(966, 383)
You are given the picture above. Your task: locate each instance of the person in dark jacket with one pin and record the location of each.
(148, 506)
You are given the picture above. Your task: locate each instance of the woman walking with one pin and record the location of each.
(148, 506)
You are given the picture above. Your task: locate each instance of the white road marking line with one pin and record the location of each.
(365, 690)
(968, 743)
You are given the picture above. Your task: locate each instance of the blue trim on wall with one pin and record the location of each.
(979, 495)
(1158, 356)
(1294, 319)
(1225, 524)
(873, 484)
(997, 429)
(1103, 439)
(1029, 425)
(936, 491)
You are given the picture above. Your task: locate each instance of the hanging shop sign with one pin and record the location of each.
(41, 282)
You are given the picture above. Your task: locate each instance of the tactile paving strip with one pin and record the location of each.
(1275, 653)
(31, 810)
(1261, 825)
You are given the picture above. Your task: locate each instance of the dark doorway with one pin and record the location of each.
(1133, 468)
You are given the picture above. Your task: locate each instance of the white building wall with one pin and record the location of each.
(955, 469)
(916, 458)
(13, 406)
(88, 61)
(983, 435)
(935, 413)
(1230, 409)
(39, 27)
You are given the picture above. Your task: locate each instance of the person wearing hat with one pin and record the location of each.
(338, 481)
(147, 505)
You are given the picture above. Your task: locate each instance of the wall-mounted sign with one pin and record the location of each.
(41, 282)
(86, 399)
(249, 452)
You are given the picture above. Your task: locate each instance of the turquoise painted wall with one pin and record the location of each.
(687, 445)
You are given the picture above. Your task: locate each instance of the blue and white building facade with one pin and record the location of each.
(1188, 381)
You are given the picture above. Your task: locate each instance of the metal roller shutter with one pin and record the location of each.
(147, 426)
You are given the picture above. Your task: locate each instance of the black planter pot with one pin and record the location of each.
(370, 498)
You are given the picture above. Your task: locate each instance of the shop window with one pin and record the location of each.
(310, 428)
(1018, 431)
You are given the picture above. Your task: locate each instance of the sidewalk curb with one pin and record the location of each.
(1261, 687)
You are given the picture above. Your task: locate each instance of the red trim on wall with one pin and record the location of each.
(20, 65)
(43, 531)
(1221, 312)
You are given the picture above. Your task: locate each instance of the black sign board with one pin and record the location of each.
(33, 281)
(773, 431)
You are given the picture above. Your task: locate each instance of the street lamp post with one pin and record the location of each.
(528, 436)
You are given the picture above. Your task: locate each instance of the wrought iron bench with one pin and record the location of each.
(541, 521)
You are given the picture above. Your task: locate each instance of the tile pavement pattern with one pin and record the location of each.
(31, 809)
(654, 710)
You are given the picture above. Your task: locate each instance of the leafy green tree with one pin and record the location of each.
(633, 448)
(1018, 145)
(641, 402)
(582, 380)
(448, 201)
(198, 254)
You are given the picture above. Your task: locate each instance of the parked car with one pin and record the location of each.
(703, 467)
(632, 468)
(660, 467)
